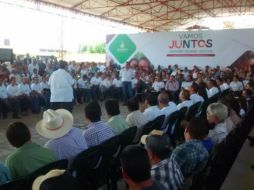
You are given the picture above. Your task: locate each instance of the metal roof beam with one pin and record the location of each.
(79, 4)
(208, 11)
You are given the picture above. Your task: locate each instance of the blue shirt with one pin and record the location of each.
(69, 145)
(97, 132)
(4, 174)
(208, 144)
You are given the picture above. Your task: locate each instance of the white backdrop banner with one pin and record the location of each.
(201, 48)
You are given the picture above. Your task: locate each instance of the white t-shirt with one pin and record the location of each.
(61, 86)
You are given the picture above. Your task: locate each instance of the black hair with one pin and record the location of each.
(64, 181)
(135, 163)
(198, 128)
(93, 111)
(62, 64)
(112, 107)
(152, 99)
(159, 145)
(133, 104)
(18, 134)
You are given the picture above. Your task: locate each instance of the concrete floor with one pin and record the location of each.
(241, 176)
(31, 121)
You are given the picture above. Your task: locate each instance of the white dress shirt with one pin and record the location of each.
(186, 84)
(44, 85)
(13, 91)
(212, 91)
(95, 81)
(168, 110)
(24, 88)
(36, 87)
(136, 118)
(117, 83)
(31, 68)
(196, 98)
(106, 83)
(61, 86)
(186, 103)
(172, 104)
(3, 91)
(218, 133)
(127, 75)
(81, 83)
(158, 85)
(152, 112)
(236, 86)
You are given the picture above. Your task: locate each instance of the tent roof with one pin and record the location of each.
(155, 15)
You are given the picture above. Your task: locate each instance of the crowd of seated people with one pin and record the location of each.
(24, 84)
(161, 165)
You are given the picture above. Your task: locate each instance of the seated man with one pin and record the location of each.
(212, 88)
(217, 113)
(136, 169)
(4, 103)
(152, 111)
(191, 156)
(97, 130)
(25, 90)
(13, 97)
(4, 174)
(184, 97)
(65, 141)
(164, 170)
(29, 156)
(116, 121)
(36, 94)
(135, 117)
(193, 89)
(55, 180)
(105, 87)
(165, 108)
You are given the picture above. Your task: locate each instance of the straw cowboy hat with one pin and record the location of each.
(39, 180)
(55, 124)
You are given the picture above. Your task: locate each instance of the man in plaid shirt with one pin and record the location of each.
(164, 170)
(192, 155)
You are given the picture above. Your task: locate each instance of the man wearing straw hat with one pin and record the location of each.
(65, 141)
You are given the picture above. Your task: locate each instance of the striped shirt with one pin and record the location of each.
(97, 132)
(168, 173)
